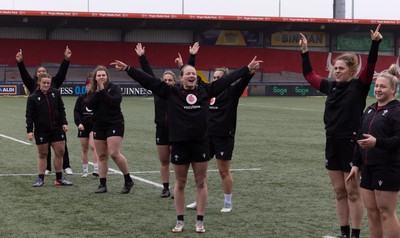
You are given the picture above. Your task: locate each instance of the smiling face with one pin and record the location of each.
(188, 77)
(44, 84)
(41, 70)
(384, 91)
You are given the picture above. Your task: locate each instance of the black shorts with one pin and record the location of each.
(221, 147)
(162, 135)
(85, 134)
(339, 153)
(383, 177)
(188, 152)
(103, 134)
(48, 137)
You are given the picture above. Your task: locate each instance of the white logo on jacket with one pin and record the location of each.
(191, 99)
(212, 101)
(384, 112)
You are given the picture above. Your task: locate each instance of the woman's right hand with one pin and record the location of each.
(18, 56)
(303, 43)
(352, 175)
(139, 49)
(30, 136)
(81, 127)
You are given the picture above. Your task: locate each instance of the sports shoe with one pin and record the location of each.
(200, 227)
(39, 183)
(227, 207)
(85, 175)
(68, 171)
(96, 174)
(178, 227)
(192, 206)
(101, 189)
(47, 172)
(63, 182)
(127, 187)
(165, 193)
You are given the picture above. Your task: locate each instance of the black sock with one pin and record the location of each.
(180, 217)
(345, 231)
(103, 182)
(41, 176)
(355, 233)
(200, 218)
(58, 175)
(127, 178)
(166, 185)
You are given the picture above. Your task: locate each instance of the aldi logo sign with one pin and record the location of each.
(8, 89)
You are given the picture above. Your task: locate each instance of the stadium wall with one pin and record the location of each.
(92, 53)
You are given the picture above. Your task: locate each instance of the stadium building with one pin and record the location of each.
(232, 41)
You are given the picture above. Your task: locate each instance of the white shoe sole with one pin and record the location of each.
(225, 210)
(192, 206)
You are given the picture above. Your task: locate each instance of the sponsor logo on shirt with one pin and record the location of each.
(191, 99)
(212, 102)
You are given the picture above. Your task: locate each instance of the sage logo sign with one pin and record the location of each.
(301, 91)
(291, 90)
(280, 90)
(8, 89)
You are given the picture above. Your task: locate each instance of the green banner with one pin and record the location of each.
(361, 42)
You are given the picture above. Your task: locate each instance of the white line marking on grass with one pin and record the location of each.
(276, 107)
(135, 177)
(20, 141)
(191, 171)
(138, 178)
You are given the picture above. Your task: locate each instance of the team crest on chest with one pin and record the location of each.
(212, 101)
(191, 99)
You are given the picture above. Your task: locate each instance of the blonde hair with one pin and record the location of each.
(350, 60)
(224, 70)
(42, 76)
(168, 72)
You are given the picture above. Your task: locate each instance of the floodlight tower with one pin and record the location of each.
(339, 8)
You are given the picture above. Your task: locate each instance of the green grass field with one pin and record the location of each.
(281, 188)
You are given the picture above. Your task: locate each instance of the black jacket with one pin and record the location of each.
(223, 109)
(384, 125)
(45, 112)
(82, 113)
(187, 109)
(345, 102)
(31, 83)
(160, 104)
(106, 105)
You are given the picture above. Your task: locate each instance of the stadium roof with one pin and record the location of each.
(126, 22)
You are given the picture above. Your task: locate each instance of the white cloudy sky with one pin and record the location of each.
(363, 9)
